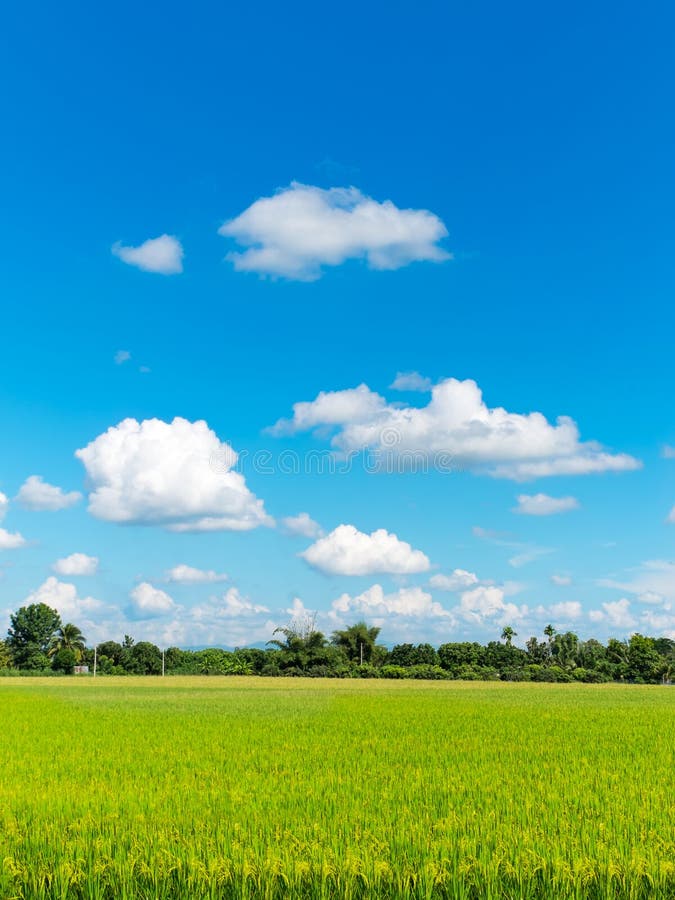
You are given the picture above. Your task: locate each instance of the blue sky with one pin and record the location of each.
(526, 154)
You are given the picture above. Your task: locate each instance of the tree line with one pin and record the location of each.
(38, 642)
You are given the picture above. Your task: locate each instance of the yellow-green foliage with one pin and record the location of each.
(236, 787)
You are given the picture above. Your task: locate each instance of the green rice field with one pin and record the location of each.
(204, 787)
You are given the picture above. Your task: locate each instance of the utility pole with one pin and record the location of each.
(162, 664)
(361, 651)
(94, 661)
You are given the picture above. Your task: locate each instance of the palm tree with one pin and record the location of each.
(357, 641)
(508, 635)
(67, 637)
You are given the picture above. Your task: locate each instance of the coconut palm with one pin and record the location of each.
(67, 637)
(508, 635)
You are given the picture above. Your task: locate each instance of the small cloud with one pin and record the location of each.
(11, 541)
(151, 601)
(668, 451)
(671, 516)
(183, 574)
(163, 255)
(543, 505)
(301, 229)
(37, 495)
(561, 580)
(121, 357)
(566, 611)
(347, 551)
(76, 564)
(302, 525)
(411, 381)
(616, 614)
(4, 505)
(459, 580)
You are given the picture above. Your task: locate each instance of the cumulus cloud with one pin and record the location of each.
(175, 474)
(4, 505)
(561, 580)
(410, 602)
(121, 357)
(458, 580)
(487, 603)
(63, 597)
(76, 564)
(566, 611)
(163, 254)
(616, 614)
(411, 381)
(148, 600)
(455, 426)
(233, 604)
(11, 540)
(36, 494)
(302, 525)
(346, 551)
(543, 505)
(301, 229)
(182, 574)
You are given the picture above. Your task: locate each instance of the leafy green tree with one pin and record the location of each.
(5, 656)
(508, 635)
(564, 650)
(144, 659)
(537, 651)
(68, 637)
(64, 660)
(357, 642)
(110, 650)
(31, 630)
(591, 654)
(643, 659)
(461, 656)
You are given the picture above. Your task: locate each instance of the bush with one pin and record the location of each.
(64, 661)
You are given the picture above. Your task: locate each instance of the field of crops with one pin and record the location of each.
(243, 787)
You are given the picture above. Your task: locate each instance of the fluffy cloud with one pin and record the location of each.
(183, 574)
(346, 551)
(11, 540)
(36, 494)
(174, 474)
(561, 580)
(455, 426)
(411, 381)
(543, 505)
(410, 602)
(566, 611)
(4, 505)
(301, 229)
(302, 525)
(148, 600)
(486, 603)
(76, 564)
(459, 580)
(63, 597)
(616, 614)
(234, 604)
(163, 255)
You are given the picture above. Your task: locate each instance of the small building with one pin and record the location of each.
(80, 670)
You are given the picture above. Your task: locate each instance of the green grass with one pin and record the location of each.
(249, 787)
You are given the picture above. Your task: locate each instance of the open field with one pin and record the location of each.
(251, 787)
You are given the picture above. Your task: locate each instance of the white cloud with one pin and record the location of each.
(616, 614)
(11, 540)
(163, 254)
(177, 475)
(4, 505)
(653, 582)
(121, 357)
(63, 597)
(543, 505)
(486, 602)
(303, 525)
(183, 574)
(233, 604)
(151, 601)
(76, 564)
(457, 427)
(301, 229)
(569, 609)
(411, 381)
(668, 452)
(36, 494)
(346, 551)
(459, 580)
(410, 602)
(561, 580)
(528, 555)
